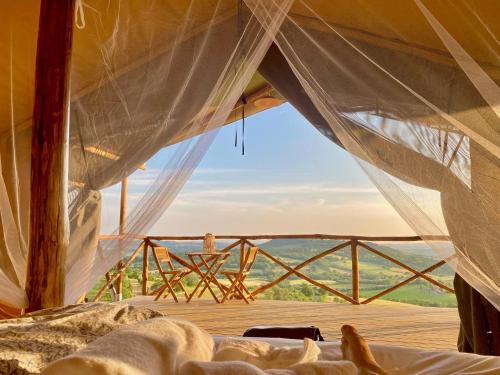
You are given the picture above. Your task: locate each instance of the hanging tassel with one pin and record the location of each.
(236, 136)
(244, 101)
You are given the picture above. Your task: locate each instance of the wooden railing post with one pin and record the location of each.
(123, 212)
(242, 252)
(145, 269)
(355, 271)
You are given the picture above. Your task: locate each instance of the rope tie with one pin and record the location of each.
(79, 14)
(243, 101)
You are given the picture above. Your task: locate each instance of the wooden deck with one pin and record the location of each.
(385, 323)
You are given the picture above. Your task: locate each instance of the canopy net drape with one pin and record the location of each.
(415, 101)
(409, 88)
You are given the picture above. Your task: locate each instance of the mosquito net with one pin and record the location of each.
(415, 100)
(409, 88)
(145, 75)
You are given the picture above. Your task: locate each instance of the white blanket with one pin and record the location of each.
(29, 343)
(397, 360)
(156, 346)
(169, 346)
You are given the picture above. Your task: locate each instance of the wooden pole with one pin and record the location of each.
(49, 233)
(145, 269)
(355, 271)
(242, 253)
(123, 213)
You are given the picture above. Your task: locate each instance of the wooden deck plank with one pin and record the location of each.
(393, 324)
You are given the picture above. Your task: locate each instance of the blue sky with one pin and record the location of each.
(290, 180)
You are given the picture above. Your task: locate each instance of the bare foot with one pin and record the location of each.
(355, 349)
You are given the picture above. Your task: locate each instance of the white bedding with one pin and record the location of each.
(168, 346)
(399, 360)
(30, 342)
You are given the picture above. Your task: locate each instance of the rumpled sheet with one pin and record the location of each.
(169, 346)
(398, 360)
(29, 343)
(236, 356)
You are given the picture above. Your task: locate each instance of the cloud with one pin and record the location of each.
(220, 171)
(268, 208)
(288, 189)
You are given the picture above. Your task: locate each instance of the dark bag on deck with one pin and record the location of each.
(297, 333)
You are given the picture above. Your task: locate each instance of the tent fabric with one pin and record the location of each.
(409, 88)
(479, 321)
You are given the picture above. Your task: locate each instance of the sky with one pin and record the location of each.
(291, 180)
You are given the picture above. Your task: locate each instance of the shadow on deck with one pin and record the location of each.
(387, 323)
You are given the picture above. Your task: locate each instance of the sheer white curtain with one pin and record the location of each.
(18, 36)
(418, 111)
(197, 59)
(145, 75)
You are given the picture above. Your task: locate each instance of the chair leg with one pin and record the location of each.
(240, 292)
(170, 288)
(233, 285)
(183, 288)
(232, 280)
(160, 292)
(247, 292)
(168, 292)
(173, 293)
(177, 281)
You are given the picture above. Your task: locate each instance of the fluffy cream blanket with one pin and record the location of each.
(169, 346)
(29, 343)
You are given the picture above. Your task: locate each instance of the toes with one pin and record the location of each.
(348, 330)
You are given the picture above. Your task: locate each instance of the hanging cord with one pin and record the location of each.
(243, 98)
(243, 101)
(236, 136)
(239, 28)
(79, 15)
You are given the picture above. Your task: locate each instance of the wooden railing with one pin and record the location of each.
(355, 243)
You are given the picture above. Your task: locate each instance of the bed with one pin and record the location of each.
(29, 343)
(78, 335)
(399, 360)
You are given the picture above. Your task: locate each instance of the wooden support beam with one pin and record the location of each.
(242, 254)
(121, 231)
(49, 232)
(145, 269)
(355, 271)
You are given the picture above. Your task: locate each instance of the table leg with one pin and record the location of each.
(205, 275)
